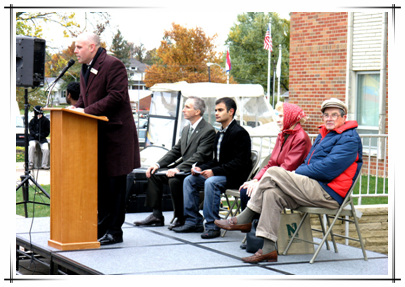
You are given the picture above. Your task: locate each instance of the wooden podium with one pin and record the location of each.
(73, 179)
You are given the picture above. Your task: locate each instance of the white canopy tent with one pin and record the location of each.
(166, 121)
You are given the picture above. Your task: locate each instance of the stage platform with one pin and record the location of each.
(159, 251)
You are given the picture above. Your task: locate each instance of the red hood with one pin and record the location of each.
(346, 126)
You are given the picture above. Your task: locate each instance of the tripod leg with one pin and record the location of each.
(40, 187)
(24, 185)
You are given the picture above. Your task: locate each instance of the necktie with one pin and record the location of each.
(190, 132)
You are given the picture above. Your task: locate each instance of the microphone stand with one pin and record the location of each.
(50, 88)
(27, 176)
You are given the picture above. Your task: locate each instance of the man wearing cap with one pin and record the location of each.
(39, 128)
(323, 180)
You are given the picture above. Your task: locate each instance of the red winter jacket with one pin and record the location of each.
(291, 154)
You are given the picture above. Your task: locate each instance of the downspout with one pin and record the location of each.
(349, 99)
(383, 82)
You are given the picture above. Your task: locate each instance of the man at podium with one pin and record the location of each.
(104, 92)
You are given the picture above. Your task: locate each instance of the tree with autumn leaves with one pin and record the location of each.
(183, 56)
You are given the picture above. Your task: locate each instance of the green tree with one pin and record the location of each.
(246, 47)
(151, 57)
(120, 48)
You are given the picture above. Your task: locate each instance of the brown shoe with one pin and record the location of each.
(231, 224)
(259, 257)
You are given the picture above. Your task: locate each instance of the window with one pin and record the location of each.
(368, 91)
(368, 109)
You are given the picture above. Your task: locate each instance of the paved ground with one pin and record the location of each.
(41, 176)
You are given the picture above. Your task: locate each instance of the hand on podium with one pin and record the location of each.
(80, 110)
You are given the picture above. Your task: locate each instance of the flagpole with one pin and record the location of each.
(268, 70)
(274, 87)
(228, 65)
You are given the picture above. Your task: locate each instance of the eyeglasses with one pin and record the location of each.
(333, 116)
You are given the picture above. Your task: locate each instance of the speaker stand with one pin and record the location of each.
(26, 178)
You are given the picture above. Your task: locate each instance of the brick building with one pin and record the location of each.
(342, 55)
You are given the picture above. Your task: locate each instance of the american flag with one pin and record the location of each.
(268, 45)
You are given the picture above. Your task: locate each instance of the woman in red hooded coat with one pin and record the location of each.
(291, 148)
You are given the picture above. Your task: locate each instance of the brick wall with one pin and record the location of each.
(318, 47)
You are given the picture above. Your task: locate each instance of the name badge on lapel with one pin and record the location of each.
(94, 71)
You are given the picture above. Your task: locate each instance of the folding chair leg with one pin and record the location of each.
(356, 223)
(332, 235)
(230, 211)
(323, 230)
(324, 239)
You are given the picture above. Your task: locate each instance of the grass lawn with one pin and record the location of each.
(380, 189)
(36, 195)
(20, 154)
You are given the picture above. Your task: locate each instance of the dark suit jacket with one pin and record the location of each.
(106, 94)
(235, 159)
(199, 148)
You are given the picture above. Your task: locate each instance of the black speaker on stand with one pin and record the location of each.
(30, 72)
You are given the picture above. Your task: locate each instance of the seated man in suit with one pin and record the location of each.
(195, 145)
(228, 169)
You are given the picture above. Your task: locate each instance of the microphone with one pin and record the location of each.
(69, 64)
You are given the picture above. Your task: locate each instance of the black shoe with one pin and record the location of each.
(176, 223)
(243, 246)
(110, 239)
(188, 228)
(151, 220)
(211, 233)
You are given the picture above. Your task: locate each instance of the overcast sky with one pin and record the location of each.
(147, 25)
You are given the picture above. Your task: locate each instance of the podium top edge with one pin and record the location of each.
(101, 118)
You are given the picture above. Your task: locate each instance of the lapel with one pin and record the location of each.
(195, 133)
(96, 69)
(228, 133)
(224, 144)
(184, 137)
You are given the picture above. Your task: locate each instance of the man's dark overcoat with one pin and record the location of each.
(106, 94)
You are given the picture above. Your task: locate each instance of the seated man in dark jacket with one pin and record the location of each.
(323, 180)
(228, 169)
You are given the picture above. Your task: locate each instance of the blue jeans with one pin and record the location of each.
(213, 187)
